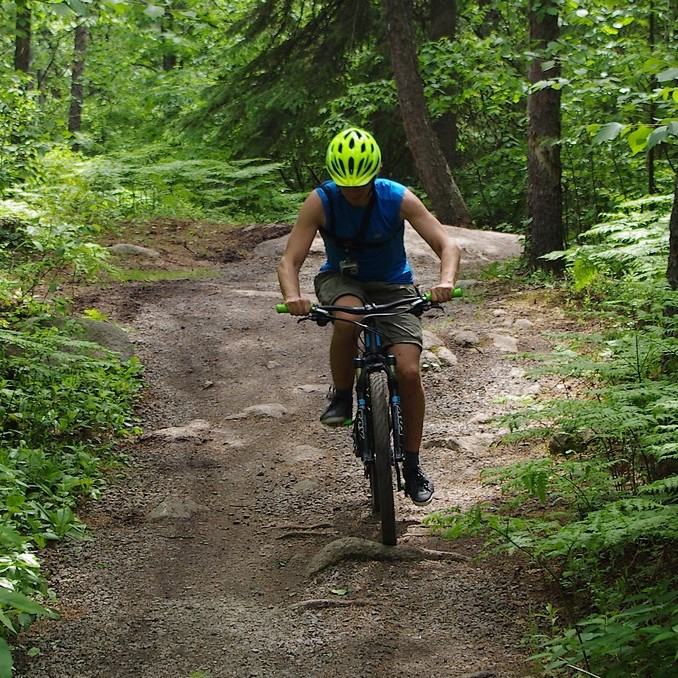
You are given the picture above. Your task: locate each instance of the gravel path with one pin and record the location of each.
(199, 559)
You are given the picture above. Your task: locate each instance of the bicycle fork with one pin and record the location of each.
(361, 435)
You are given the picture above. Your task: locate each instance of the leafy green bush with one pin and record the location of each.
(19, 142)
(60, 413)
(37, 254)
(599, 515)
(639, 640)
(63, 405)
(156, 181)
(631, 243)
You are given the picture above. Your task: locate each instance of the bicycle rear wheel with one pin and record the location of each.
(381, 478)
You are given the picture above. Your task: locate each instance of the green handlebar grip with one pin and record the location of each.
(282, 308)
(456, 292)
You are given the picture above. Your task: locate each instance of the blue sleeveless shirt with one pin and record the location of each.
(383, 259)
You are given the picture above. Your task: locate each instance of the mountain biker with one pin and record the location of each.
(361, 220)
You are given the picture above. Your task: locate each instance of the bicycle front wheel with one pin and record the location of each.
(382, 469)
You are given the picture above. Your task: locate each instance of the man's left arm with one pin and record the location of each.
(434, 233)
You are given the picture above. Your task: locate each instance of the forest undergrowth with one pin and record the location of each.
(64, 404)
(597, 515)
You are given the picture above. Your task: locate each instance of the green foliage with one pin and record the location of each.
(63, 403)
(37, 254)
(16, 611)
(157, 181)
(60, 412)
(19, 140)
(630, 243)
(599, 515)
(624, 642)
(289, 62)
(480, 80)
(273, 79)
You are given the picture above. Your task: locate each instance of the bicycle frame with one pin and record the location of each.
(373, 359)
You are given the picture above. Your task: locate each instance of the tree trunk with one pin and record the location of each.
(669, 361)
(443, 24)
(77, 87)
(433, 170)
(544, 169)
(169, 56)
(443, 19)
(22, 36)
(672, 271)
(652, 108)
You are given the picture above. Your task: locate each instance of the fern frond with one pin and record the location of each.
(619, 523)
(665, 486)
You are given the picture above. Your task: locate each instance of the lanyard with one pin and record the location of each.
(350, 243)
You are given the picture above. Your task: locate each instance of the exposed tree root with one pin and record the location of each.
(294, 531)
(353, 548)
(321, 603)
(304, 533)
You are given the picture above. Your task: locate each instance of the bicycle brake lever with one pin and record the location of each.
(322, 318)
(420, 307)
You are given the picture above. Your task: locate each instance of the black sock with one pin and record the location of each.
(412, 459)
(345, 396)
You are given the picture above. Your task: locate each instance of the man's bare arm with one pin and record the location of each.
(433, 232)
(311, 217)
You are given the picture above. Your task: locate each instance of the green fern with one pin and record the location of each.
(665, 487)
(155, 181)
(636, 640)
(599, 515)
(630, 243)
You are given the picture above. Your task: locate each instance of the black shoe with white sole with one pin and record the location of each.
(340, 410)
(418, 486)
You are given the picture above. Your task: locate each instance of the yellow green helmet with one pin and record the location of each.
(353, 158)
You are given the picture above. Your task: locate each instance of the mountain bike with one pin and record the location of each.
(378, 422)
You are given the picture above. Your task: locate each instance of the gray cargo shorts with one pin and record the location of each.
(403, 328)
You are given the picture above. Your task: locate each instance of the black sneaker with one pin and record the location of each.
(418, 486)
(339, 412)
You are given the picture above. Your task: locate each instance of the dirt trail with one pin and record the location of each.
(198, 562)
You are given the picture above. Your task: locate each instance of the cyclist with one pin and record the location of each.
(361, 220)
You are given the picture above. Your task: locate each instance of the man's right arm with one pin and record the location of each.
(311, 218)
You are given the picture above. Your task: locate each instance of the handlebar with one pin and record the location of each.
(374, 308)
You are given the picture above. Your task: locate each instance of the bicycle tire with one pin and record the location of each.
(374, 487)
(382, 467)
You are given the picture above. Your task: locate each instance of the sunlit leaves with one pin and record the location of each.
(80, 7)
(640, 138)
(668, 74)
(154, 11)
(607, 132)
